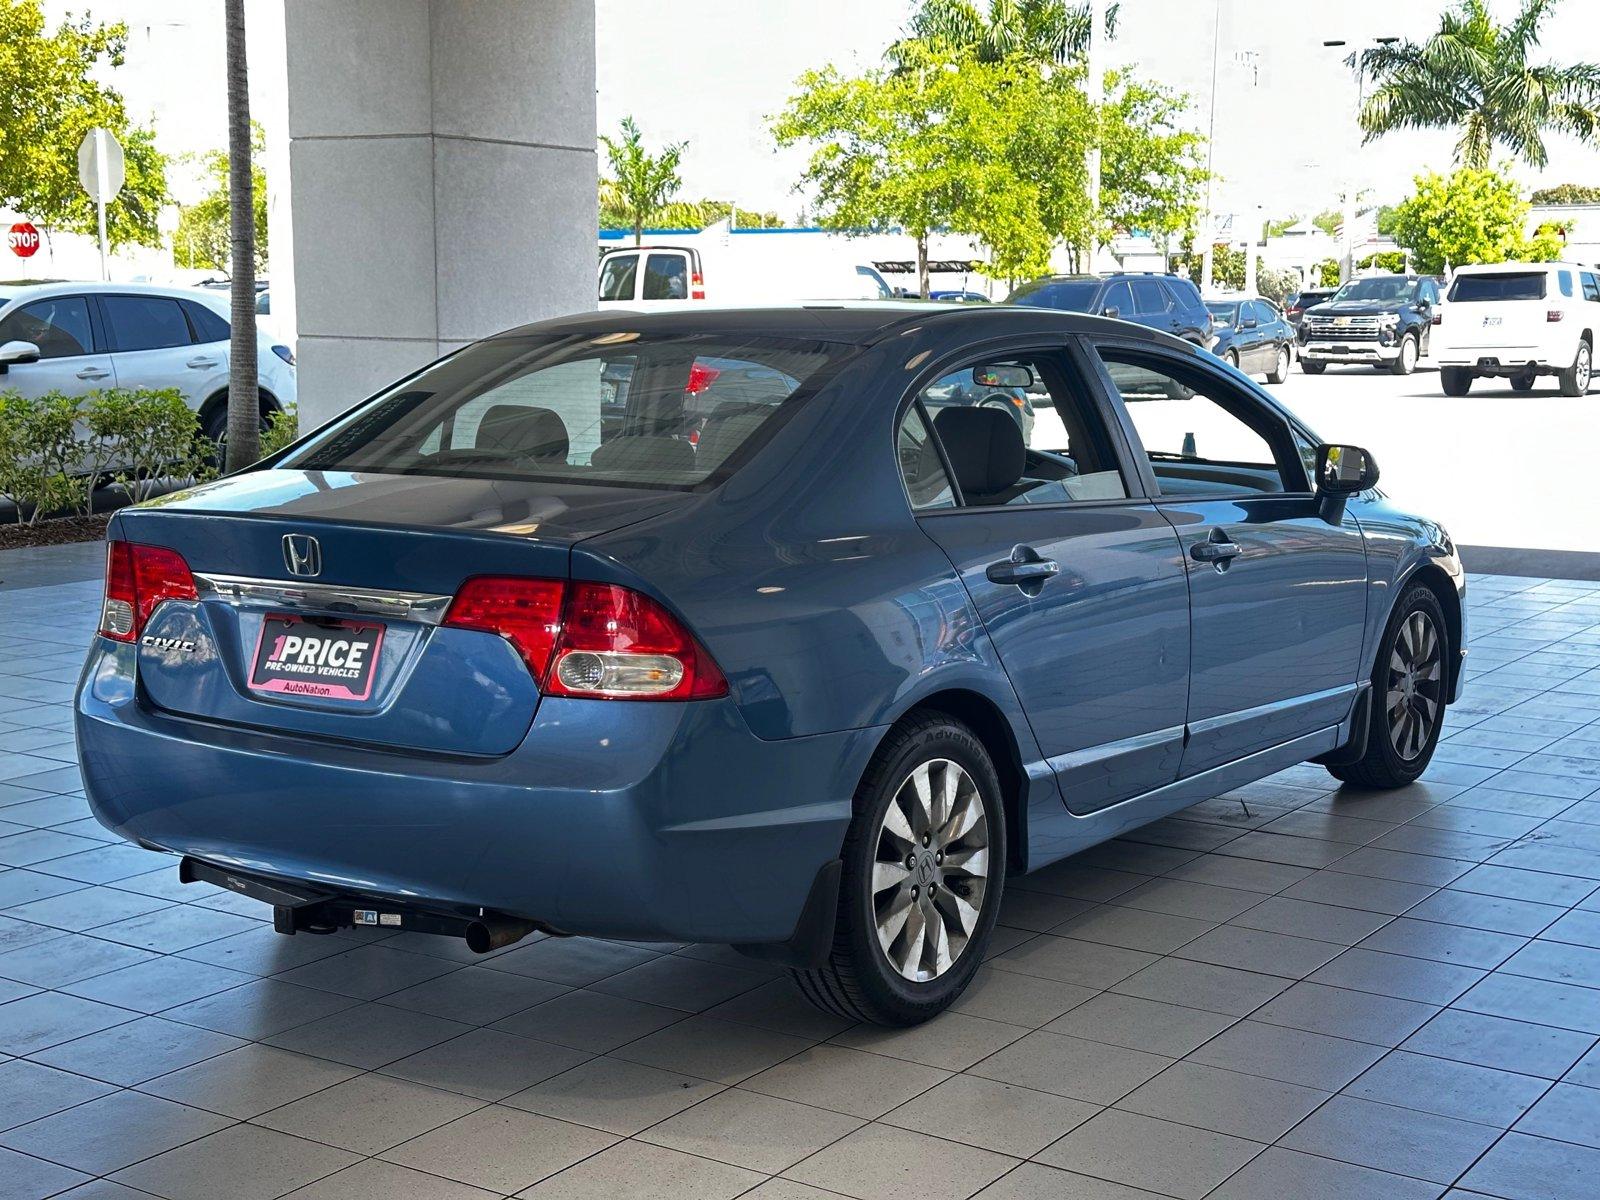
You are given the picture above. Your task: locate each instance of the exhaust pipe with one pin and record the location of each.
(492, 931)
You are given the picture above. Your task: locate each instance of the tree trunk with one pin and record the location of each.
(244, 402)
(923, 287)
(638, 232)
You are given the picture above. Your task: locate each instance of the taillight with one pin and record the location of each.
(138, 578)
(592, 640)
(700, 378)
(1553, 314)
(697, 286)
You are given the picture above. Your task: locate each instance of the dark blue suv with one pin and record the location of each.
(1163, 302)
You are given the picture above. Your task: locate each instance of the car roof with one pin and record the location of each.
(1518, 267)
(69, 287)
(861, 323)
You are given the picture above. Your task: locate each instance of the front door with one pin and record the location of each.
(1079, 582)
(68, 359)
(1277, 593)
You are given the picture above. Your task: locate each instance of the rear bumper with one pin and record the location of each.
(644, 821)
(1503, 363)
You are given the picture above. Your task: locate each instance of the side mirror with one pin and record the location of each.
(1342, 472)
(17, 352)
(1248, 323)
(1111, 310)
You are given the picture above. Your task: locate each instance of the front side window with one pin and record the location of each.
(1591, 286)
(1014, 432)
(1118, 297)
(624, 410)
(617, 275)
(1203, 436)
(59, 327)
(666, 277)
(144, 322)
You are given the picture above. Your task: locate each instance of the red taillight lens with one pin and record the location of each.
(700, 378)
(594, 640)
(526, 612)
(697, 286)
(622, 645)
(138, 578)
(1553, 315)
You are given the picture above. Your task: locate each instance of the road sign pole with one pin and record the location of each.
(100, 198)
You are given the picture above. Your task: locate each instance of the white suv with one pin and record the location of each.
(80, 337)
(1518, 321)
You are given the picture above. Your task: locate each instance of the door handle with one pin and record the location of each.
(1218, 549)
(1024, 569)
(199, 363)
(92, 373)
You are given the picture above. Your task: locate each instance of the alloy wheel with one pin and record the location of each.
(1408, 353)
(1283, 360)
(1416, 693)
(931, 870)
(1584, 366)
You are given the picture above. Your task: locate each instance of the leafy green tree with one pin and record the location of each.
(1329, 221)
(641, 183)
(202, 237)
(1567, 193)
(1152, 164)
(1326, 273)
(51, 94)
(1478, 77)
(684, 214)
(1044, 31)
(1472, 216)
(1278, 226)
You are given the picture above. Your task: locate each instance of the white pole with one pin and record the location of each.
(1096, 91)
(1208, 223)
(100, 193)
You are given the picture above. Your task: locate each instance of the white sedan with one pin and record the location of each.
(83, 337)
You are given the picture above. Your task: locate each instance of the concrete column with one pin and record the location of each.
(442, 180)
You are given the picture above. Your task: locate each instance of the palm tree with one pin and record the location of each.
(1052, 31)
(244, 404)
(641, 184)
(1474, 76)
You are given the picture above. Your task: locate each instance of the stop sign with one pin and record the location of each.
(23, 239)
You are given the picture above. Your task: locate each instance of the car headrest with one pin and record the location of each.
(640, 453)
(727, 428)
(523, 431)
(984, 446)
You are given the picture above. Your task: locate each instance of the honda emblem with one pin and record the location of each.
(301, 554)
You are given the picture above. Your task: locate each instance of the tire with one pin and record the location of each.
(214, 425)
(860, 980)
(1405, 717)
(1456, 381)
(1574, 380)
(1406, 361)
(1313, 368)
(1523, 383)
(1233, 359)
(1280, 367)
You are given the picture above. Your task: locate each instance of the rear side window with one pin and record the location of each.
(666, 277)
(144, 322)
(927, 482)
(1501, 285)
(59, 327)
(1564, 279)
(617, 275)
(616, 410)
(1150, 297)
(208, 326)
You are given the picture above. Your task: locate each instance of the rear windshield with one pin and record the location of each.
(1502, 285)
(1074, 296)
(619, 409)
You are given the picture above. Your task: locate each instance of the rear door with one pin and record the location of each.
(666, 276)
(152, 345)
(1077, 577)
(1277, 594)
(71, 359)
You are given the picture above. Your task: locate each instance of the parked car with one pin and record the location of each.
(1384, 321)
(80, 337)
(814, 686)
(1252, 335)
(1162, 302)
(960, 297)
(1519, 321)
(663, 277)
(1296, 304)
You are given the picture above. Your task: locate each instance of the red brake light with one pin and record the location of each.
(1553, 315)
(697, 286)
(526, 612)
(138, 578)
(700, 378)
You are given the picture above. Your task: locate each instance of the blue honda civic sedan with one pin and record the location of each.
(733, 627)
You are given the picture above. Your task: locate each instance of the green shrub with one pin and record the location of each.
(144, 436)
(282, 428)
(39, 451)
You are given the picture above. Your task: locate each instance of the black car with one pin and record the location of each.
(1251, 334)
(1163, 302)
(1384, 321)
(1296, 303)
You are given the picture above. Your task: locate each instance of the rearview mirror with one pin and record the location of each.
(17, 352)
(998, 376)
(1342, 471)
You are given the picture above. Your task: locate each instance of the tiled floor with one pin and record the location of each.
(1291, 993)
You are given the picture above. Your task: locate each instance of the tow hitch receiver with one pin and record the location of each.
(299, 909)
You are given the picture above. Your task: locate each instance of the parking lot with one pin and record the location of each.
(1497, 467)
(1289, 991)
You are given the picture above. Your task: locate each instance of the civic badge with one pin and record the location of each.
(301, 554)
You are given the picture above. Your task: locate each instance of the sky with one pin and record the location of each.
(711, 72)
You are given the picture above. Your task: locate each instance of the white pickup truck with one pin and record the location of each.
(1518, 321)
